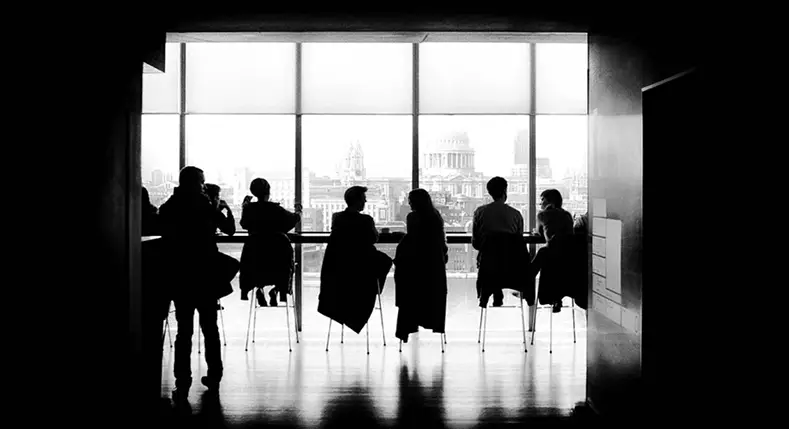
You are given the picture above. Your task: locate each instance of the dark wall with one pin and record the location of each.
(662, 361)
(615, 194)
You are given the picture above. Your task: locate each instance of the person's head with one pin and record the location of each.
(191, 179)
(497, 188)
(260, 188)
(212, 190)
(420, 201)
(551, 197)
(356, 197)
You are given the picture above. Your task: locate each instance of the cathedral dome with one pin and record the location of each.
(455, 141)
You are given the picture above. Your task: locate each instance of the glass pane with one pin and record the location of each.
(459, 154)
(357, 77)
(474, 78)
(241, 77)
(342, 151)
(233, 150)
(160, 156)
(561, 78)
(161, 91)
(562, 159)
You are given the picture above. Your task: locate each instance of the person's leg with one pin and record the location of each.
(184, 315)
(213, 346)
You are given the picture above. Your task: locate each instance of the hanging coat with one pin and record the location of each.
(504, 264)
(267, 257)
(352, 271)
(421, 279)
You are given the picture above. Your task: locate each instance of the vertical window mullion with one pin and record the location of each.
(182, 110)
(415, 117)
(297, 305)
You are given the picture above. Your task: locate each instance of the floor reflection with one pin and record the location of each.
(418, 387)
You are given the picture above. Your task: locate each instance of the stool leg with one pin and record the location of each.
(328, 336)
(401, 346)
(381, 308)
(479, 332)
(485, 330)
(368, 338)
(550, 347)
(222, 321)
(534, 324)
(342, 334)
(523, 326)
(249, 321)
(287, 321)
(572, 308)
(445, 337)
(294, 324)
(441, 340)
(255, 322)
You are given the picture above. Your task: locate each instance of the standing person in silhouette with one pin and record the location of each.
(267, 258)
(495, 219)
(224, 222)
(420, 269)
(353, 269)
(189, 229)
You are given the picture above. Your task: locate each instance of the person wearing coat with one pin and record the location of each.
(267, 256)
(420, 269)
(353, 270)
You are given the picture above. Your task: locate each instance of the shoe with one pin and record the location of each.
(209, 383)
(557, 307)
(244, 296)
(273, 295)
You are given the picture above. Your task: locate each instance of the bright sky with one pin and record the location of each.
(482, 78)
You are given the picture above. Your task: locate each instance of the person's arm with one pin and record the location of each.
(227, 224)
(540, 223)
(373, 231)
(476, 232)
(519, 222)
(289, 219)
(246, 217)
(410, 223)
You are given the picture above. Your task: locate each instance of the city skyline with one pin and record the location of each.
(270, 142)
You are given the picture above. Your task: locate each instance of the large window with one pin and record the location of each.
(448, 116)
(160, 142)
(234, 149)
(342, 151)
(459, 154)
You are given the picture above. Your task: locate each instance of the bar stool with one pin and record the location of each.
(483, 330)
(221, 309)
(380, 308)
(550, 307)
(253, 318)
(443, 342)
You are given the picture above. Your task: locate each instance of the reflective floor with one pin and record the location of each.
(463, 387)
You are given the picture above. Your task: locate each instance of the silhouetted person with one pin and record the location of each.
(556, 225)
(420, 269)
(150, 216)
(352, 264)
(189, 228)
(224, 222)
(553, 222)
(267, 258)
(492, 219)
